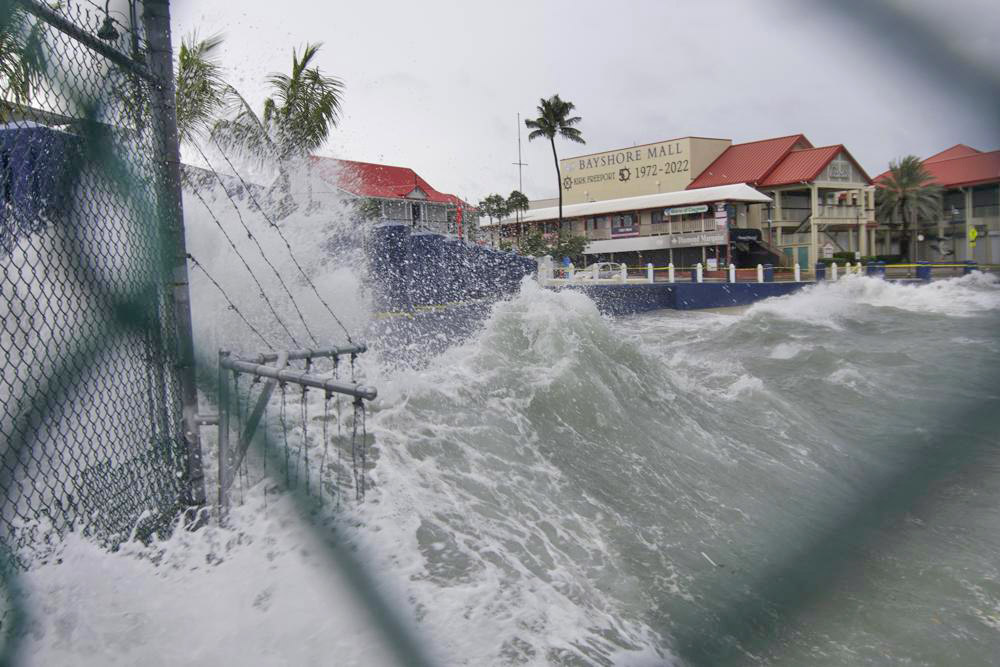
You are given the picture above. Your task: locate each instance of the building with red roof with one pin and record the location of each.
(970, 200)
(815, 200)
(397, 194)
(823, 201)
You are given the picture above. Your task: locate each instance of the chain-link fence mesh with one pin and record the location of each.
(90, 407)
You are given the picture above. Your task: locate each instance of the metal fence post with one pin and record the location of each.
(156, 20)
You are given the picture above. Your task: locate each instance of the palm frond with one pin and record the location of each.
(201, 90)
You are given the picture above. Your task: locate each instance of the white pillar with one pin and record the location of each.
(798, 273)
(847, 269)
(732, 273)
(760, 273)
(833, 271)
(813, 229)
(670, 272)
(698, 270)
(570, 271)
(593, 271)
(544, 269)
(624, 272)
(649, 272)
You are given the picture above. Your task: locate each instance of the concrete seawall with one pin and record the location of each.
(631, 299)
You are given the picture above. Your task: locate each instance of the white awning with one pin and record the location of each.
(739, 192)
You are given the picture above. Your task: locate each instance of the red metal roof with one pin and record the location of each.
(748, 163)
(966, 170)
(367, 179)
(958, 150)
(805, 165)
(963, 168)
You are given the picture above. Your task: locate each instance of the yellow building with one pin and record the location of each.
(666, 166)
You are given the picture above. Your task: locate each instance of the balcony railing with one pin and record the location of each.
(986, 211)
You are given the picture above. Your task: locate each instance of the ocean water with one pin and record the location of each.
(812, 480)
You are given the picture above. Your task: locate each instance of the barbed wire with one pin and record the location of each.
(288, 245)
(260, 249)
(263, 293)
(232, 306)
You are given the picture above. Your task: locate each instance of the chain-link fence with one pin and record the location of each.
(92, 388)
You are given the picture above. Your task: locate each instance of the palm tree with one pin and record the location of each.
(201, 91)
(307, 106)
(494, 206)
(517, 203)
(553, 119)
(905, 196)
(296, 119)
(22, 57)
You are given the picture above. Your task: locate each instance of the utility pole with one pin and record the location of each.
(156, 20)
(520, 164)
(520, 182)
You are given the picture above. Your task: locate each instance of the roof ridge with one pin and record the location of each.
(978, 153)
(760, 141)
(782, 157)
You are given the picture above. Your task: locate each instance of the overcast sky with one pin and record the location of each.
(436, 85)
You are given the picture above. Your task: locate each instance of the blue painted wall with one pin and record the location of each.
(36, 168)
(410, 269)
(637, 298)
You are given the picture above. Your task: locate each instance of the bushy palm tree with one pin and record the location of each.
(304, 106)
(494, 206)
(906, 196)
(554, 119)
(202, 93)
(517, 203)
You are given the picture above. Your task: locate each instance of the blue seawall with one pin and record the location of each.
(638, 298)
(432, 290)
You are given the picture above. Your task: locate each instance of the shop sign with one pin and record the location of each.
(620, 231)
(828, 250)
(744, 235)
(687, 210)
(698, 239)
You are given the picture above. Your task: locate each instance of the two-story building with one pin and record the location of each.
(968, 225)
(822, 200)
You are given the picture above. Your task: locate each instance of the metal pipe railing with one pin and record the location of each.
(298, 377)
(294, 355)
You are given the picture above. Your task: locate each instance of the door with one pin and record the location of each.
(803, 256)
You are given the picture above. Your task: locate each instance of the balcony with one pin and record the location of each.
(979, 212)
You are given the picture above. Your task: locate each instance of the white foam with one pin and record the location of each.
(825, 303)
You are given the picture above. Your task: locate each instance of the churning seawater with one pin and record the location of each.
(812, 480)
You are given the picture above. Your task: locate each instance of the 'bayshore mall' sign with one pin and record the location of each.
(667, 166)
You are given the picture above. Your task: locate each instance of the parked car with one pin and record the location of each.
(605, 270)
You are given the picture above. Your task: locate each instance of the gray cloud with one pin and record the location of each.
(436, 85)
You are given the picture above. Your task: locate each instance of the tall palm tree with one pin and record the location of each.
(554, 119)
(202, 93)
(906, 196)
